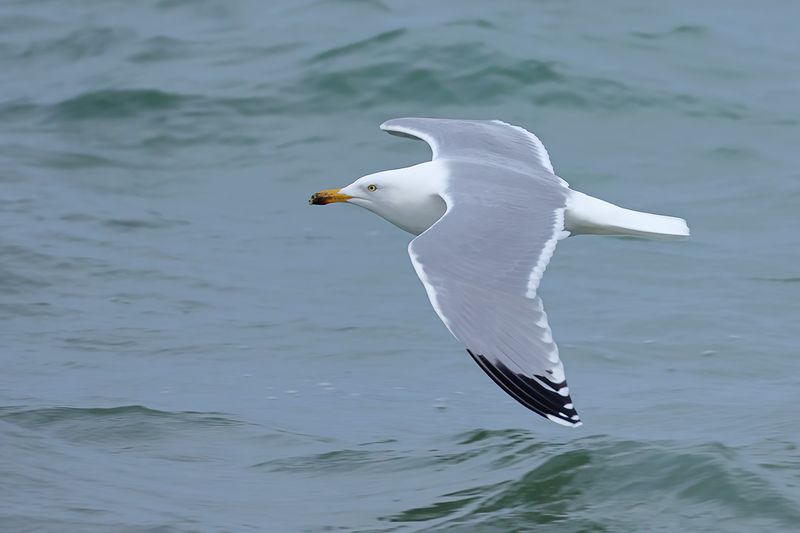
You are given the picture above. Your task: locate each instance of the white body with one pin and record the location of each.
(410, 198)
(489, 211)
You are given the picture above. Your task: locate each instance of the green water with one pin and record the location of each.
(186, 345)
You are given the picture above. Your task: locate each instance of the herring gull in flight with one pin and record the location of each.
(488, 211)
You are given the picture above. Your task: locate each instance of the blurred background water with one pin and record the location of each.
(187, 346)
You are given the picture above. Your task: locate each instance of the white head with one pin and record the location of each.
(407, 197)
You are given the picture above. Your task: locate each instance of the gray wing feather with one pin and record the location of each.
(481, 264)
(477, 140)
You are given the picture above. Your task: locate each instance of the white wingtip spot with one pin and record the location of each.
(562, 422)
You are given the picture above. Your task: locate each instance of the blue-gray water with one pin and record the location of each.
(186, 345)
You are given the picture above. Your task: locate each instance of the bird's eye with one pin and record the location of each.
(372, 187)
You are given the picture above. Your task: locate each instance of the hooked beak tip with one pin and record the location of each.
(328, 196)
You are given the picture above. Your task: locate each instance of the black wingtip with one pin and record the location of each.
(544, 400)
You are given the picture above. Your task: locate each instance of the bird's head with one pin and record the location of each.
(382, 189)
(406, 197)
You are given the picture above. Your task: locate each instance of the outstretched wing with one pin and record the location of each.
(481, 264)
(476, 140)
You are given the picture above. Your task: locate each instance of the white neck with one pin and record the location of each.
(411, 197)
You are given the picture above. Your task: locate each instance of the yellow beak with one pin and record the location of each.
(328, 196)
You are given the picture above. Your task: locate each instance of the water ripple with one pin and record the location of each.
(591, 480)
(124, 424)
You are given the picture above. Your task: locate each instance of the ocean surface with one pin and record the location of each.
(187, 346)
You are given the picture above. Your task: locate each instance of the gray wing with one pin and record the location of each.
(481, 264)
(477, 140)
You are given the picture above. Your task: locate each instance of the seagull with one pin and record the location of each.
(487, 212)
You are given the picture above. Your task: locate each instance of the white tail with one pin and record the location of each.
(588, 215)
